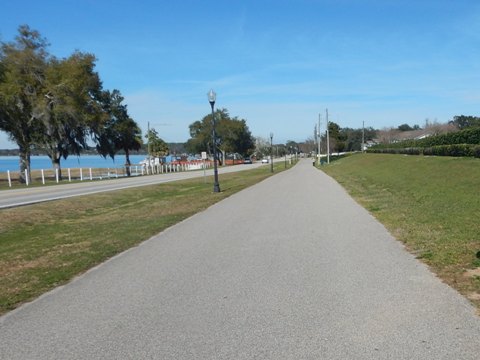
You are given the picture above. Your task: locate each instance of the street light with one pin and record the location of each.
(212, 96)
(271, 152)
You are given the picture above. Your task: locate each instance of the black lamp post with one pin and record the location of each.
(212, 96)
(271, 152)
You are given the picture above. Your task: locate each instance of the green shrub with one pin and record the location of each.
(413, 151)
(453, 150)
(476, 151)
(407, 151)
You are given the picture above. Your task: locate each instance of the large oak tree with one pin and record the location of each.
(22, 78)
(232, 135)
(70, 107)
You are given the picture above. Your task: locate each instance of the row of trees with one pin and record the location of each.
(59, 105)
(234, 136)
(340, 139)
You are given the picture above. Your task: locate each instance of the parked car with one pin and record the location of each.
(247, 160)
(265, 161)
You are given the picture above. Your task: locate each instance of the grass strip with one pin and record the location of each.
(45, 245)
(431, 204)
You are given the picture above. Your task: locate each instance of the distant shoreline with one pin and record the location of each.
(16, 152)
(38, 162)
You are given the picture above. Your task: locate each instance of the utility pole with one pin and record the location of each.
(271, 152)
(328, 140)
(148, 145)
(363, 136)
(319, 135)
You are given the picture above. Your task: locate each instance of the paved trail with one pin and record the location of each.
(291, 268)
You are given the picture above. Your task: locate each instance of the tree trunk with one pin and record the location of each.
(55, 157)
(127, 162)
(24, 153)
(56, 167)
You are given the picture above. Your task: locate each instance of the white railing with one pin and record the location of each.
(49, 176)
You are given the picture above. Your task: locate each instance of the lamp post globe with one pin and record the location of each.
(212, 96)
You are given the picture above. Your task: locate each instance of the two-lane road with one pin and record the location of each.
(30, 195)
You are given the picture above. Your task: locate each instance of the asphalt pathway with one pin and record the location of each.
(291, 268)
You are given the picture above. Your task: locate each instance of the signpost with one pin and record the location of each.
(204, 157)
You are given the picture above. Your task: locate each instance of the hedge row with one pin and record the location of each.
(439, 150)
(468, 136)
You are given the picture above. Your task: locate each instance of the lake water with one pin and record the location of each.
(85, 161)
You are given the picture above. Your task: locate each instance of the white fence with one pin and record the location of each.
(48, 176)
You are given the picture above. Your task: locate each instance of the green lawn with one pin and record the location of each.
(432, 204)
(45, 245)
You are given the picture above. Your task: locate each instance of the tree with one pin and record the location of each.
(156, 146)
(388, 135)
(69, 107)
(309, 146)
(262, 147)
(292, 146)
(120, 132)
(235, 135)
(437, 128)
(281, 149)
(354, 137)
(200, 136)
(337, 138)
(23, 64)
(463, 121)
(405, 127)
(232, 134)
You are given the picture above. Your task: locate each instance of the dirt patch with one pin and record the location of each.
(472, 272)
(474, 296)
(16, 266)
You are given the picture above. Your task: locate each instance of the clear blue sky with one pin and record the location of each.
(275, 63)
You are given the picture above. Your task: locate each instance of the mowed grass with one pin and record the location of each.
(432, 204)
(45, 245)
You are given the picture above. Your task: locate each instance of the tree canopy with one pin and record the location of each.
(23, 65)
(406, 127)
(346, 139)
(463, 121)
(120, 131)
(69, 107)
(232, 134)
(156, 146)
